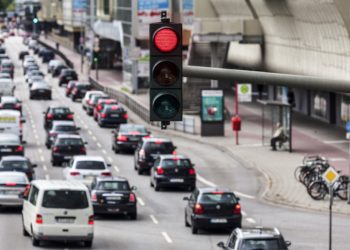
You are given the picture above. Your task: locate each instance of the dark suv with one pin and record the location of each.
(79, 90)
(65, 147)
(112, 115)
(57, 113)
(175, 171)
(148, 150)
(66, 76)
(255, 238)
(212, 208)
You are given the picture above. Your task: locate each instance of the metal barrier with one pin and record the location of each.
(186, 126)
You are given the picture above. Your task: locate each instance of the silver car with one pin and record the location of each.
(12, 184)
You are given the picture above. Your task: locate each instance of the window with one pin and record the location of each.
(106, 7)
(345, 108)
(161, 147)
(67, 199)
(176, 163)
(34, 195)
(263, 244)
(218, 197)
(232, 242)
(91, 165)
(114, 186)
(14, 165)
(65, 128)
(70, 142)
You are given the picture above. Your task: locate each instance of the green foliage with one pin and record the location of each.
(8, 5)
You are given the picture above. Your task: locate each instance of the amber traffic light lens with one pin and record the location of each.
(166, 73)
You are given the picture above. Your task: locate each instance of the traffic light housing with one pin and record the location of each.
(165, 71)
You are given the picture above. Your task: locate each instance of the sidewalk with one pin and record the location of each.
(309, 137)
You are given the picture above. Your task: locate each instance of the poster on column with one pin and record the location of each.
(212, 105)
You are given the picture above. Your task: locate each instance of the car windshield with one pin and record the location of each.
(176, 163)
(68, 199)
(114, 110)
(161, 147)
(91, 165)
(14, 165)
(65, 128)
(70, 142)
(260, 244)
(13, 178)
(59, 111)
(114, 185)
(82, 86)
(133, 128)
(218, 197)
(9, 141)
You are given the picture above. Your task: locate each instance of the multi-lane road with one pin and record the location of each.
(160, 223)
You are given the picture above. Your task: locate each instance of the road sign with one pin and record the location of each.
(244, 92)
(347, 126)
(330, 176)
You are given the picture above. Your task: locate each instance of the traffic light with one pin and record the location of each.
(35, 20)
(165, 71)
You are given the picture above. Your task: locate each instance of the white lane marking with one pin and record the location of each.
(42, 158)
(244, 195)
(104, 151)
(253, 145)
(47, 177)
(36, 137)
(251, 220)
(204, 181)
(244, 213)
(142, 203)
(44, 167)
(40, 151)
(109, 159)
(211, 184)
(38, 143)
(167, 238)
(99, 145)
(336, 142)
(116, 169)
(338, 159)
(94, 138)
(153, 219)
(33, 126)
(90, 132)
(86, 126)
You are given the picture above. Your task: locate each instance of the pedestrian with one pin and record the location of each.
(278, 136)
(57, 46)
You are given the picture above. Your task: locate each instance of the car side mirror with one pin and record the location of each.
(109, 165)
(85, 142)
(23, 120)
(221, 245)
(44, 113)
(175, 147)
(113, 132)
(34, 165)
(288, 243)
(186, 198)
(133, 188)
(24, 142)
(78, 128)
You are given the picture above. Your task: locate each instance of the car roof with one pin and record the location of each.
(257, 232)
(107, 100)
(56, 123)
(13, 173)
(59, 184)
(68, 136)
(8, 99)
(88, 158)
(170, 156)
(114, 178)
(14, 158)
(214, 189)
(10, 112)
(155, 139)
(58, 107)
(5, 80)
(4, 137)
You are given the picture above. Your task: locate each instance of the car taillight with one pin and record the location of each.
(237, 209)
(10, 184)
(174, 152)
(74, 173)
(160, 170)
(192, 171)
(103, 115)
(1, 105)
(94, 197)
(132, 198)
(91, 220)
(198, 209)
(70, 116)
(122, 138)
(56, 149)
(17, 106)
(142, 154)
(89, 102)
(99, 107)
(83, 150)
(125, 116)
(75, 90)
(52, 134)
(106, 174)
(49, 116)
(19, 149)
(39, 219)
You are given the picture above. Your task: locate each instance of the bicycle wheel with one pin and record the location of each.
(317, 190)
(342, 190)
(297, 173)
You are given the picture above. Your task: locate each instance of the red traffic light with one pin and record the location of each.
(165, 39)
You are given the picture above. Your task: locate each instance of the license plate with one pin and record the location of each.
(41, 91)
(133, 138)
(6, 150)
(65, 220)
(177, 180)
(113, 209)
(89, 177)
(68, 157)
(218, 220)
(114, 116)
(12, 192)
(114, 198)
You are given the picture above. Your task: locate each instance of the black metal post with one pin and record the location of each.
(330, 216)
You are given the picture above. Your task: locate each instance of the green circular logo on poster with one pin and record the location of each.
(244, 89)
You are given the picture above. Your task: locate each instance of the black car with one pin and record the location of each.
(148, 150)
(65, 147)
(90, 108)
(173, 171)
(67, 75)
(22, 54)
(18, 164)
(47, 55)
(57, 113)
(56, 71)
(79, 91)
(113, 196)
(40, 90)
(10, 144)
(60, 127)
(112, 115)
(213, 208)
(127, 136)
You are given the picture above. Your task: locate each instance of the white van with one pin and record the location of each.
(59, 211)
(7, 87)
(11, 122)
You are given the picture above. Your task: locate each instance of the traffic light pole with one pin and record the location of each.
(265, 78)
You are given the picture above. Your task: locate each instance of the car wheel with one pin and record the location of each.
(135, 165)
(194, 229)
(191, 188)
(133, 216)
(35, 241)
(151, 184)
(139, 171)
(156, 186)
(116, 149)
(186, 222)
(24, 231)
(88, 243)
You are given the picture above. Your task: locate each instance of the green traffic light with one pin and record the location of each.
(35, 20)
(95, 59)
